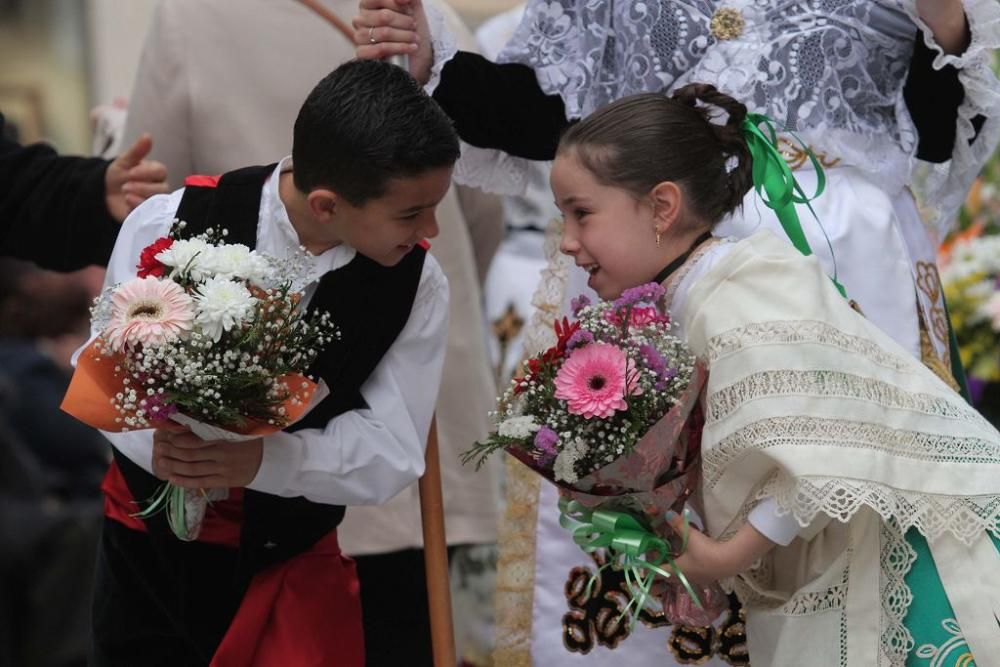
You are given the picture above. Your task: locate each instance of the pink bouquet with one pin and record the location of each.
(610, 415)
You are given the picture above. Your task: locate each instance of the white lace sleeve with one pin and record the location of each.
(944, 186)
(443, 42)
(489, 169)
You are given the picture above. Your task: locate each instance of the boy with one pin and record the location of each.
(265, 583)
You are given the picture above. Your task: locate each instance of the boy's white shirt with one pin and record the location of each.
(361, 457)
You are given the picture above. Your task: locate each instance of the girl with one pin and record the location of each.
(850, 497)
(876, 87)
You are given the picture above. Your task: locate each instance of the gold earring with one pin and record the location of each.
(657, 239)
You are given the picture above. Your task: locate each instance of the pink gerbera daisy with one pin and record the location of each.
(593, 380)
(149, 312)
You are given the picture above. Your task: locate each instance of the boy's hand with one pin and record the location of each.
(184, 459)
(385, 28)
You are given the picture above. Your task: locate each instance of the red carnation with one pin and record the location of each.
(148, 264)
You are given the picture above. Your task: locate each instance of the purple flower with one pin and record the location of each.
(665, 378)
(650, 292)
(652, 359)
(157, 409)
(578, 304)
(545, 442)
(579, 337)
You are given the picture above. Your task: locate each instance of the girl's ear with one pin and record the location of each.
(323, 204)
(667, 201)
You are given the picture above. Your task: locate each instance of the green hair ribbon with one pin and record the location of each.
(776, 186)
(630, 543)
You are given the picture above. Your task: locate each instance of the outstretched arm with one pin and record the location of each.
(707, 560)
(63, 212)
(493, 106)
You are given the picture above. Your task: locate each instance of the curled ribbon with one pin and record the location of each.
(776, 186)
(168, 498)
(629, 542)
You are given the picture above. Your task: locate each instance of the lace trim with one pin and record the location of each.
(804, 431)
(800, 331)
(896, 557)
(672, 283)
(443, 42)
(550, 293)
(815, 602)
(967, 519)
(943, 187)
(515, 591)
(766, 384)
(493, 170)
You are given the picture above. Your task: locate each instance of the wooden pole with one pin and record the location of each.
(436, 556)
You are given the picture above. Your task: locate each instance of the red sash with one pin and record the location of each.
(304, 612)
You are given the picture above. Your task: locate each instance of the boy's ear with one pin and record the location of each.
(324, 204)
(667, 201)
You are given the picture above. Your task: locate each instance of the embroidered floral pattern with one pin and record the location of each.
(955, 651)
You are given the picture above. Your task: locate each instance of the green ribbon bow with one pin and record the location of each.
(776, 186)
(641, 553)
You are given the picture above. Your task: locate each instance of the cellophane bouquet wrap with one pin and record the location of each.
(611, 415)
(210, 335)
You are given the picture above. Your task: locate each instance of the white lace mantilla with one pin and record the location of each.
(831, 70)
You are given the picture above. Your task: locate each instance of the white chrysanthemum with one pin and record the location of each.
(235, 260)
(222, 305)
(186, 256)
(518, 427)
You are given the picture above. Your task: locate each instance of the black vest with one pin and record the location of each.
(368, 302)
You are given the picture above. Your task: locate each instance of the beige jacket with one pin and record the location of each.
(219, 85)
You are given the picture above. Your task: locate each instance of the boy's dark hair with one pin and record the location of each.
(642, 140)
(364, 124)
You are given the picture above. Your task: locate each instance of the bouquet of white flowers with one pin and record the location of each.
(210, 335)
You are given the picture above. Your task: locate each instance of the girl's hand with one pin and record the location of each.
(946, 19)
(385, 28)
(183, 459)
(707, 560)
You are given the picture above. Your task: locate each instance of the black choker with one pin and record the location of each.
(677, 263)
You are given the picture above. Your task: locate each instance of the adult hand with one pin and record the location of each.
(946, 19)
(182, 458)
(130, 179)
(385, 28)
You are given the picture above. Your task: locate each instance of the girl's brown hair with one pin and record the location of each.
(643, 140)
